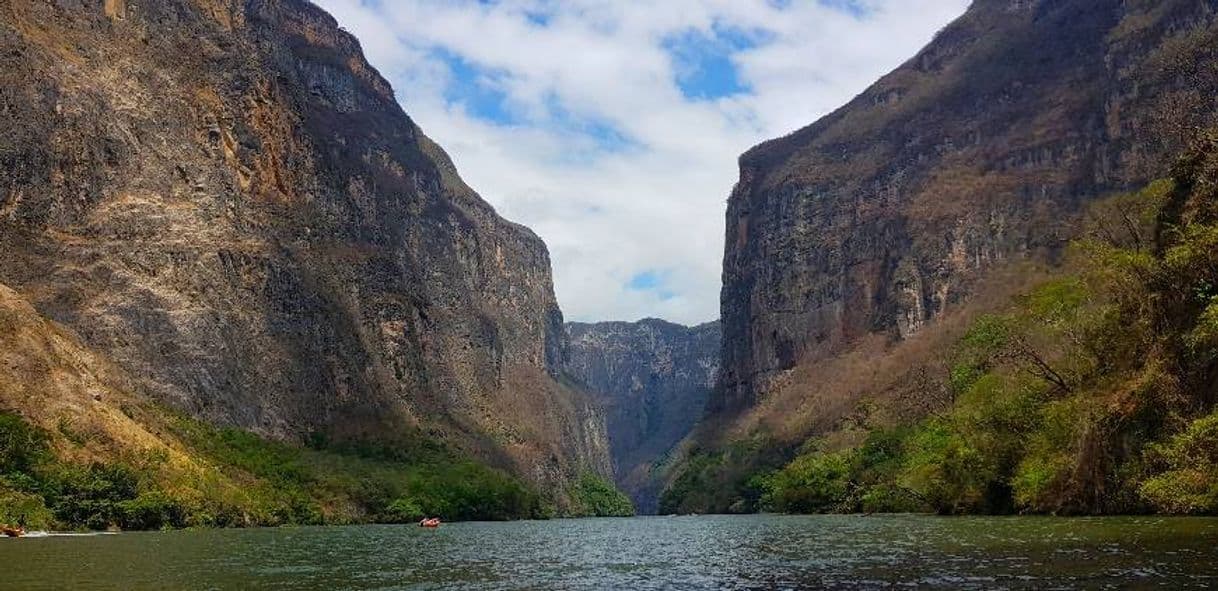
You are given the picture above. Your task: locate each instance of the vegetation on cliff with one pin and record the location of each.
(595, 496)
(250, 481)
(1091, 393)
(81, 448)
(277, 484)
(226, 208)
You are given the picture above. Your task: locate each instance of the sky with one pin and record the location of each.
(612, 127)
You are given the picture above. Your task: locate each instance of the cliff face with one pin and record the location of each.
(653, 379)
(223, 197)
(980, 150)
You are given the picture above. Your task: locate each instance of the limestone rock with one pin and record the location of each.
(223, 197)
(980, 150)
(653, 379)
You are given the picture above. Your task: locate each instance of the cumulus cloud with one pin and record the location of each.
(612, 127)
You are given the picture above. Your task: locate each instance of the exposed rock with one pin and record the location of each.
(653, 379)
(978, 151)
(226, 199)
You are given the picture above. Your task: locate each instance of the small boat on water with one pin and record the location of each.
(12, 532)
(430, 522)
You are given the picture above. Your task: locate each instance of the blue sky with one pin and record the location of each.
(612, 127)
(703, 60)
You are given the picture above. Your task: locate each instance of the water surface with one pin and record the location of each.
(708, 552)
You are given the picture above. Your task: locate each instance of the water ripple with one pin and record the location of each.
(716, 552)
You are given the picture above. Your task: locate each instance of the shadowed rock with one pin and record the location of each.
(653, 379)
(227, 200)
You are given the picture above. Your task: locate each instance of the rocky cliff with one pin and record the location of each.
(980, 150)
(225, 199)
(653, 379)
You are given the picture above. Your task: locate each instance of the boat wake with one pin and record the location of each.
(55, 534)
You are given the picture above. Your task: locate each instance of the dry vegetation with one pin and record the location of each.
(1092, 391)
(79, 449)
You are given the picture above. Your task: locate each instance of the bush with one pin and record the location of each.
(692, 487)
(404, 510)
(1203, 340)
(945, 470)
(152, 510)
(596, 497)
(22, 446)
(93, 496)
(24, 509)
(1189, 485)
(812, 483)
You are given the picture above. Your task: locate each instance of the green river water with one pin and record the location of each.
(707, 552)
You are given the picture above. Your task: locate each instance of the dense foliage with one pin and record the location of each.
(723, 480)
(256, 482)
(38, 491)
(399, 482)
(1093, 393)
(595, 496)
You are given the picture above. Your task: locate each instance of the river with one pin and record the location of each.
(707, 552)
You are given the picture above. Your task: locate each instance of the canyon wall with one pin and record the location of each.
(652, 378)
(224, 198)
(980, 150)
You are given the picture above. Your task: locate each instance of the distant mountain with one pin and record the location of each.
(653, 379)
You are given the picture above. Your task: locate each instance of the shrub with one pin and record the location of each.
(24, 509)
(1203, 340)
(22, 446)
(811, 483)
(152, 510)
(1189, 485)
(404, 510)
(596, 497)
(946, 471)
(91, 496)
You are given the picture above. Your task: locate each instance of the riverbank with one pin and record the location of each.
(210, 477)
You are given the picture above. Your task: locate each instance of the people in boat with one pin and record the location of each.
(12, 531)
(430, 522)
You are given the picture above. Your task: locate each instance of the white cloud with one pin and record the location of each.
(611, 211)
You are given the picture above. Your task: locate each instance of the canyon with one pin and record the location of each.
(223, 240)
(652, 378)
(982, 149)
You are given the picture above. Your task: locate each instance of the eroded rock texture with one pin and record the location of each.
(653, 378)
(226, 199)
(979, 150)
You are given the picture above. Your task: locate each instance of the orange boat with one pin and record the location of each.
(430, 522)
(12, 532)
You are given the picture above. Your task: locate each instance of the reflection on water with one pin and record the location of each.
(745, 552)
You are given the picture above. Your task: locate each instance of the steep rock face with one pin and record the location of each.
(225, 198)
(979, 150)
(49, 377)
(653, 379)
